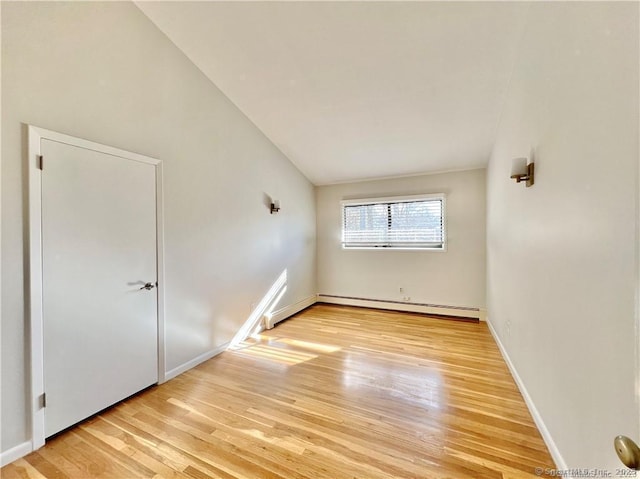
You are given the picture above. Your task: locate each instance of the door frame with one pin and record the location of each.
(36, 319)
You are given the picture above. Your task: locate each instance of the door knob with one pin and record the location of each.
(148, 286)
(628, 452)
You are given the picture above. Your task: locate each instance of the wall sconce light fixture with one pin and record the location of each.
(521, 170)
(275, 206)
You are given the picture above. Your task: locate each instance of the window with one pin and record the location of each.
(415, 222)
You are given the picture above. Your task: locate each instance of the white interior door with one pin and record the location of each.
(98, 251)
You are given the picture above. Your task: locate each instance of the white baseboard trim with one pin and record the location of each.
(195, 361)
(463, 312)
(537, 418)
(271, 319)
(15, 453)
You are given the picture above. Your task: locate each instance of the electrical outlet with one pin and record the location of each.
(507, 328)
(401, 289)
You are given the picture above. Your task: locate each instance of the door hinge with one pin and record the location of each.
(39, 161)
(43, 400)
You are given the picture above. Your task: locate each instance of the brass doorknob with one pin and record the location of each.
(628, 452)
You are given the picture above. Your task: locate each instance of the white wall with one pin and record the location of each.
(562, 264)
(104, 72)
(452, 278)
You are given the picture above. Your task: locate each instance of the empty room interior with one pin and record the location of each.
(320, 239)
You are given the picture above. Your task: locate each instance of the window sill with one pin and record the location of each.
(382, 248)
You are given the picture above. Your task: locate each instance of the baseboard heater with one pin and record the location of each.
(437, 309)
(269, 320)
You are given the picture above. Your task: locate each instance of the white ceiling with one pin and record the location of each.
(358, 90)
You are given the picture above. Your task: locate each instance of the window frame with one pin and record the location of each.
(395, 199)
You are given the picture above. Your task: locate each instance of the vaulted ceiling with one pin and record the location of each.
(358, 90)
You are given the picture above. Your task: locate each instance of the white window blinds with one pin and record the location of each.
(401, 223)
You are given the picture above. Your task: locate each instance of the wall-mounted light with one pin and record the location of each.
(522, 170)
(275, 206)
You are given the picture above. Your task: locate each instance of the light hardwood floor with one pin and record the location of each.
(335, 392)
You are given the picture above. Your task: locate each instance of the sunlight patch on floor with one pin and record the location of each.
(287, 351)
(321, 348)
(273, 353)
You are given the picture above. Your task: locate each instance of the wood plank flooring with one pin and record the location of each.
(335, 392)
